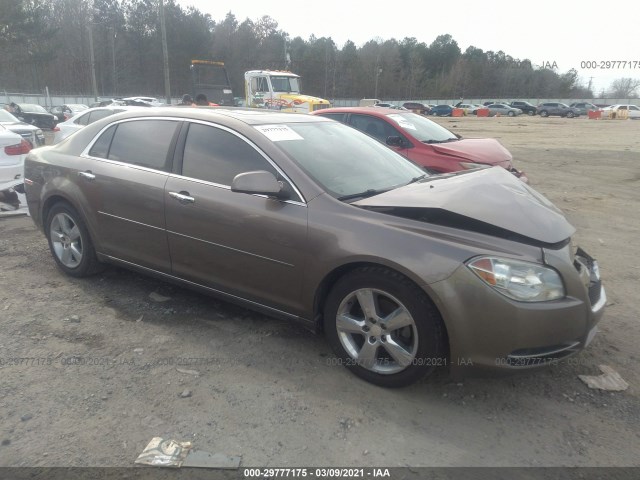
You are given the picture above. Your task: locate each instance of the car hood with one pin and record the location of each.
(491, 201)
(477, 150)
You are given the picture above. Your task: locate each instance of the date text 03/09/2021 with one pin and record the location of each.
(372, 472)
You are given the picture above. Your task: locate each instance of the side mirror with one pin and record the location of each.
(395, 141)
(259, 182)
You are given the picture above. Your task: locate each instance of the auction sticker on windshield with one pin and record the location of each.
(278, 133)
(400, 120)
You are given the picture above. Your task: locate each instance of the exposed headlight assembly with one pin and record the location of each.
(522, 281)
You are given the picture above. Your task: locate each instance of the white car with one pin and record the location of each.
(470, 108)
(83, 119)
(151, 101)
(633, 110)
(13, 149)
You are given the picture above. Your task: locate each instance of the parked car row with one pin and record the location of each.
(13, 149)
(311, 220)
(515, 108)
(545, 109)
(66, 111)
(31, 113)
(31, 133)
(85, 118)
(128, 102)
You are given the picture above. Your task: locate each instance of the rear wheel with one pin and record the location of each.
(544, 113)
(69, 241)
(383, 327)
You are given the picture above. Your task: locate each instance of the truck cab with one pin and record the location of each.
(279, 90)
(211, 79)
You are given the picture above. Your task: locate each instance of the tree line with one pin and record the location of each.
(49, 44)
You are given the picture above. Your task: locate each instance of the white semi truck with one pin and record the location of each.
(279, 90)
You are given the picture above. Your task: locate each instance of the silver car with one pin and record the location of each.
(502, 109)
(307, 219)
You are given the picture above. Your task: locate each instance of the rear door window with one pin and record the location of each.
(144, 142)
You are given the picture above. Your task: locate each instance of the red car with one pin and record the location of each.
(424, 141)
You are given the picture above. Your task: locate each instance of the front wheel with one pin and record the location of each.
(571, 114)
(531, 113)
(383, 327)
(69, 241)
(512, 114)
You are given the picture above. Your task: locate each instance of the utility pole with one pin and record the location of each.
(378, 72)
(113, 60)
(165, 55)
(94, 84)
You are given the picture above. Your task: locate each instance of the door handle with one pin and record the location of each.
(88, 175)
(182, 197)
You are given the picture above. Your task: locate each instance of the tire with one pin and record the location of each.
(511, 114)
(570, 114)
(368, 345)
(70, 242)
(531, 113)
(544, 113)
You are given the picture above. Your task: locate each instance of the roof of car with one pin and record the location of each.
(250, 116)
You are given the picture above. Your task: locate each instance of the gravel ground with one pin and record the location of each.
(113, 367)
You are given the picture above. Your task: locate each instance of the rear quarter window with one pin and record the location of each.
(98, 115)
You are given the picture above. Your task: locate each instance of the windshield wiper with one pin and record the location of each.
(417, 179)
(453, 139)
(366, 194)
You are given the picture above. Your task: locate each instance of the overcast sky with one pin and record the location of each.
(567, 32)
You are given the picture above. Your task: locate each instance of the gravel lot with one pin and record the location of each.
(113, 367)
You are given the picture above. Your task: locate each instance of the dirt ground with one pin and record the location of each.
(111, 367)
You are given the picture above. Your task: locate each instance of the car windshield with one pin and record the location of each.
(285, 84)
(422, 128)
(344, 161)
(32, 108)
(7, 117)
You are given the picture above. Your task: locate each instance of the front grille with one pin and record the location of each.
(594, 292)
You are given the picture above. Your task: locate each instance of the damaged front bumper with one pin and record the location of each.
(12, 199)
(493, 332)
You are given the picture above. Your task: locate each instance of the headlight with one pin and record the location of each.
(471, 165)
(523, 281)
(39, 133)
